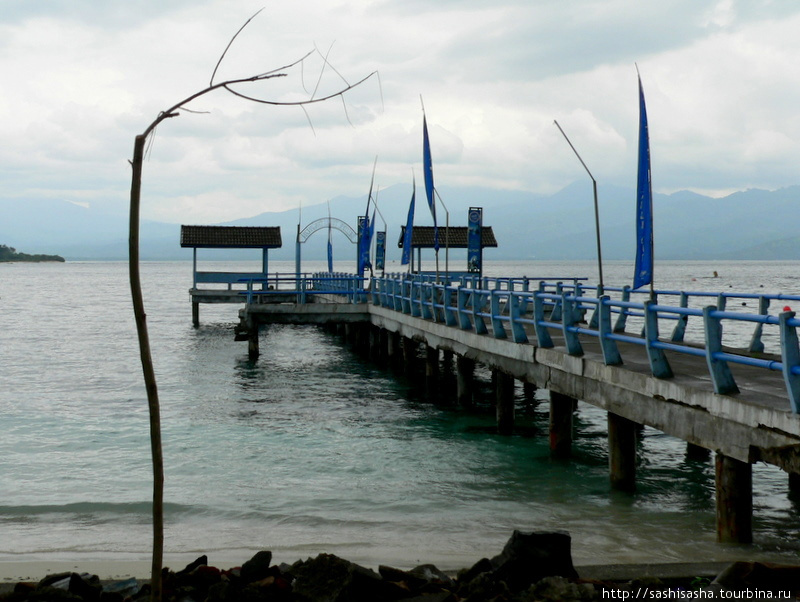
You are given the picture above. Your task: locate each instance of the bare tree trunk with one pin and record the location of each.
(136, 285)
(149, 373)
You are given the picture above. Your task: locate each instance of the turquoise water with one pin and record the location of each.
(312, 448)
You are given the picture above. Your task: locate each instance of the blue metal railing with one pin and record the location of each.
(300, 286)
(511, 304)
(509, 308)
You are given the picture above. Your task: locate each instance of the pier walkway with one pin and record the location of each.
(719, 371)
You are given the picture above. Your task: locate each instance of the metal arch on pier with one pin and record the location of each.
(326, 222)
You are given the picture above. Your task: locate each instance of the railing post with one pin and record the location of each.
(497, 323)
(426, 300)
(463, 317)
(555, 314)
(595, 319)
(515, 313)
(449, 314)
(570, 316)
(790, 354)
(542, 336)
(611, 356)
(680, 328)
(756, 344)
(659, 365)
(721, 375)
(478, 305)
(523, 301)
(622, 318)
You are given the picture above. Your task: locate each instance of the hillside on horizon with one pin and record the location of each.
(752, 224)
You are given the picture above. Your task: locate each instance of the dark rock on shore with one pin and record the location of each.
(532, 567)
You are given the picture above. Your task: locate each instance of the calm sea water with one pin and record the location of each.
(312, 448)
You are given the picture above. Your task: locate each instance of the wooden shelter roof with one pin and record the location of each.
(422, 237)
(231, 237)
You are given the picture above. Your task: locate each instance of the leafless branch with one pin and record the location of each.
(309, 101)
(324, 64)
(224, 52)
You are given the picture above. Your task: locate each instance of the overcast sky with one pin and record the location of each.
(82, 77)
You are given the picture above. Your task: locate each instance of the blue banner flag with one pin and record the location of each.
(474, 246)
(380, 251)
(427, 169)
(363, 244)
(643, 270)
(406, 257)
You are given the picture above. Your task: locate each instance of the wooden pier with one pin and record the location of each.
(739, 404)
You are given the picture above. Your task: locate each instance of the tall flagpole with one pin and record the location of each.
(596, 209)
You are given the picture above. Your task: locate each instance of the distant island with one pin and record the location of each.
(10, 254)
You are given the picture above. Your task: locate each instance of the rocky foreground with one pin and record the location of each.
(532, 567)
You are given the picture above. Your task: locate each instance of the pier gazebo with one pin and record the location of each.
(226, 237)
(453, 237)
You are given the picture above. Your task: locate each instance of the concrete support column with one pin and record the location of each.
(734, 482)
(465, 380)
(374, 342)
(622, 452)
(504, 391)
(195, 313)
(561, 409)
(794, 484)
(409, 356)
(432, 371)
(362, 337)
(393, 350)
(383, 345)
(252, 339)
(529, 390)
(698, 453)
(447, 360)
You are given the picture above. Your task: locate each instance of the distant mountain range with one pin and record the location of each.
(754, 224)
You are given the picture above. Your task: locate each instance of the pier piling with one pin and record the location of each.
(622, 452)
(734, 485)
(504, 391)
(409, 356)
(432, 372)
(561, 409)
(465, 380)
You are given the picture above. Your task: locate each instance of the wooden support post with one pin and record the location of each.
(432, 371)
(504, 391)
(465, 380)
(195, 313)
(561, 409)
(622, 452)
(734, 483)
